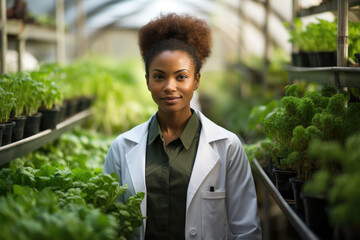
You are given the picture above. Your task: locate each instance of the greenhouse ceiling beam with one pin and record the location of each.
(272, 11)
(260, 28)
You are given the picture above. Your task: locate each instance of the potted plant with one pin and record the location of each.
(50, 105)
(304, 164)
(316, 43)
(13, 82)
(35, 96)
(7, 102)
(344, 195)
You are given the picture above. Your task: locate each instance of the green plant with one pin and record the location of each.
(320, 36)
(29, 214)
(52, 93)
(79, 186)
(344, 196)
(354, 38)
(7, 102)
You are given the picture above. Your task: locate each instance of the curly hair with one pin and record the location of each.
(175, 32)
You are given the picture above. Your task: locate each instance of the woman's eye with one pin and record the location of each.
(157, 77)
(181, 77)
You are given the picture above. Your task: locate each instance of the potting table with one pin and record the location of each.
(29, 144)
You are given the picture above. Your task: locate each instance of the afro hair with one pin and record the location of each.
(181, 29)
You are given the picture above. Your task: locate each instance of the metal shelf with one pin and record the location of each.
(304, 231)
(324, 7)
(29, 144)
(336, 76)
(30, 31)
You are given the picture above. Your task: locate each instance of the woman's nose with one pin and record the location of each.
(170, 85)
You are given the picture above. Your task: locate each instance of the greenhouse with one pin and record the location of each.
(179, 119)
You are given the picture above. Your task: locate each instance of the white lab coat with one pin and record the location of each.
(230, 212)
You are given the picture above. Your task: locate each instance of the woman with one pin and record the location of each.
(195, 174)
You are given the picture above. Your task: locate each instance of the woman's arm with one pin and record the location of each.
(242, 210)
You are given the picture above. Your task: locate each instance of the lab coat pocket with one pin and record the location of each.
(214, 215)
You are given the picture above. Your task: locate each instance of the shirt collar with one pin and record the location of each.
(186, 136)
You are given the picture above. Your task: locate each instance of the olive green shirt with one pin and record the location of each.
(168, 170)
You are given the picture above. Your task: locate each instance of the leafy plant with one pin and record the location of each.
(344, 195)
(320, 36)
(7, 102)
(82, 187)
(28, 214)
(52, 94)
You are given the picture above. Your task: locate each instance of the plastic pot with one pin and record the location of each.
(296, 59)
(32, 125)
(7, 131)
(322, 59)
(1, 132)
(315, 208)
(282, 182)
(49, 118)
(304, 59)
(18, 129)
(71, 107)
(297, 186)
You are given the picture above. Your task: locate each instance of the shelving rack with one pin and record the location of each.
(17, 149)
(339, 76)
(23, 32)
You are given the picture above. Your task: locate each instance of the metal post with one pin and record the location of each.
(342, 39)
(267, 43)
(3, 30)
(60, 31)
(294, 16)
(80, 24)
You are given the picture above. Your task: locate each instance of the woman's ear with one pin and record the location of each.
(147, 81)
(197, 81)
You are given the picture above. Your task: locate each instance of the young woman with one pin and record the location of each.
(195, 174)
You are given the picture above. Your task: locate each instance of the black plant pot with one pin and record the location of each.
(6, 136)
(315, 208)
(305, 62)
(1, 133)
(49, 118)
(18, 129)
(297, 186)
(32, 125)
(296, 59)
(282, 182)
(350, 232)
(322, 59)
(62, 113)
(71, 107)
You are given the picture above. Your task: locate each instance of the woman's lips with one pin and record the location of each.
(170, 100)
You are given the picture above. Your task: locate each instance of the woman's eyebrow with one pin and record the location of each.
(181, 70)
(157, 70)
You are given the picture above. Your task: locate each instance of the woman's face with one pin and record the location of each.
(172, 81)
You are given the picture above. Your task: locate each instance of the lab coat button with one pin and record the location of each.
(193, 232)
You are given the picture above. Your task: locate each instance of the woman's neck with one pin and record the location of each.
(172, 124)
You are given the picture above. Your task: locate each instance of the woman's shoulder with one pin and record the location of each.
(215, 132)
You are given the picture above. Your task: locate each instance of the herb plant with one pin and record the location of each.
(7, 102)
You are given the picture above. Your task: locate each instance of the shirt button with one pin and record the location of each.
(193, 232)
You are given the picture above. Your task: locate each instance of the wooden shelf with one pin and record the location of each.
(324, 7)
(29, 144)
(337, 76)
(30, 31)
(304, 231)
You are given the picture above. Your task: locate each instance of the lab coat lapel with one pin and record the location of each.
(206, 159)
